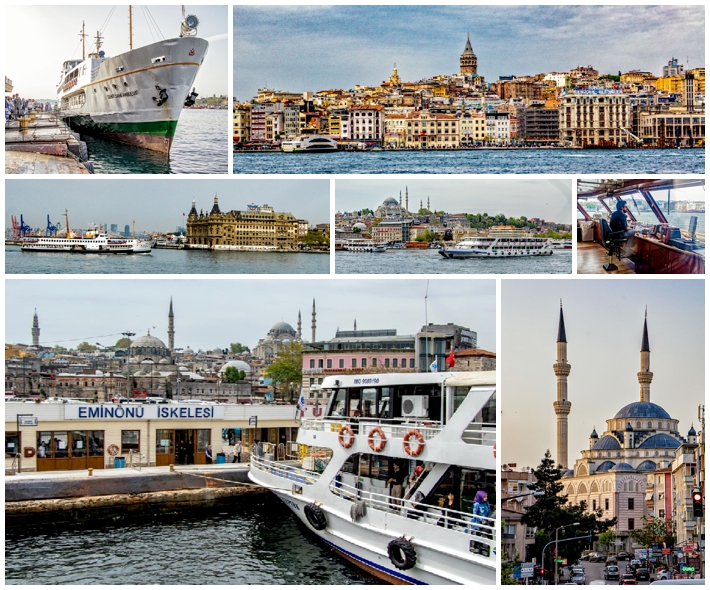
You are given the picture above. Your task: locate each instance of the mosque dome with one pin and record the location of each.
(642, 410)
(147, 341)
(239, 365)
(188, 350)
(361, 226)
(647, 466)
(282, 328)
(569, 473)
(607, 443)
(659, 441)
(622, 467)
(163, 362)
(604, 467)
(390, 200)
(692, 432)
(594, 434)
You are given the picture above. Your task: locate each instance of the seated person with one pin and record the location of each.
(617, 222)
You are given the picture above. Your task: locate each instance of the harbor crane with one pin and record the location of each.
(636, 138)
(51, 229)
(21, 229)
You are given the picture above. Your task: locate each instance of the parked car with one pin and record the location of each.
(642, 574)
(598, 558)
(623, 556)
(663, 574)
(628, 580)
(578, 577)
(611, 572)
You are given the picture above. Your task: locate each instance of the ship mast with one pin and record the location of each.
(134, 229)
(130, 27)
(66, 218)
(83, 41)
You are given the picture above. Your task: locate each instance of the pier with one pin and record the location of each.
(44, 144)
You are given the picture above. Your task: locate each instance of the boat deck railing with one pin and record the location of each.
(267, 463)
(484, 529)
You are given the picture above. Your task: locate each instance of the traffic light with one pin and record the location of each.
(697, 503)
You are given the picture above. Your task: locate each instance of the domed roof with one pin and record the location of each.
(647, 466)
(281, 327)
(163, 362)
(147, 341)
(606, 443)
(569, 473)
(642, 410)
(188, 350)
(360, 225)
(239, 365)
(390, 200)
(622, 467)
(604, 467)
(692, 432)
(594, 434)
(659, 441)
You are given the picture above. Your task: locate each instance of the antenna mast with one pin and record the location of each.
(130, 27)
(83, 41)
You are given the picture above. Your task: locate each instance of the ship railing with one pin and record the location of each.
(480, 433)
(392, 427)
(267, 464)
(483, 528)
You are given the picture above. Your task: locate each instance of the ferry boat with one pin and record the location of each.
(561, 244)
(435, 431)
(94, 241)
(363, 246)
(497, 247)
(314, 144)
(137, 96)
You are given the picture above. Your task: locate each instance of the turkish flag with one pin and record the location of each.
(450, 362)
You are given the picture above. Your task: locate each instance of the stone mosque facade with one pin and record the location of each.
(612, 473)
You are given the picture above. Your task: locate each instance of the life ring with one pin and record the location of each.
(315, 516)
(371, 439)
(346, 429)
(416, 451)
(29, 452)
(402, 553)
(113, 450)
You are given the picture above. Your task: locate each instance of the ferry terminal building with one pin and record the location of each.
(74, 436)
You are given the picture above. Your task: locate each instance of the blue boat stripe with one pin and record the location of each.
(394, 573)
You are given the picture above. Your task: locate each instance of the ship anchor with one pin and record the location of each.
(162, 96)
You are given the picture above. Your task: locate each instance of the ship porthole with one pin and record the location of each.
(315, 516)
(402, 553)
(125, 84)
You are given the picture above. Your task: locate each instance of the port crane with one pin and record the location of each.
(51, 229)
(20, 229)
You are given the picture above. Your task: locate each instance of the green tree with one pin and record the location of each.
(315, 238)
(286, 370)
(655, 531)
(367, 211)
(551, 511)
(59, 349)
(122, 343)
(427, 236)
(232, 375)
(237, 348)
(356, 230)
(86, 347)
(606, 539)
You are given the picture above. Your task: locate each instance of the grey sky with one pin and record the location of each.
(604, 325)
(38, 39)
(311, 48)
(157, 204)
(211, 313)
(549, 199)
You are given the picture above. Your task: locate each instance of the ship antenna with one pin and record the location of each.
(130, 27)
(83, 41)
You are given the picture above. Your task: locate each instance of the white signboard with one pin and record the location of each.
(27, 420)
(126, 412)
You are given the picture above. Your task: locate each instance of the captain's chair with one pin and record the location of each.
(613, 241)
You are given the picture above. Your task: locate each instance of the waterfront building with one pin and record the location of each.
(538, 122)
(527, 89)
(472, 128)
(667, 127)
(259, 112)
(671, 84)
(258, 228)
(392, 231)
(636, 77)
(366, 123)
(78, 436)
(241, 123)
(583, 76)
(431, 130)
(462, 233)
(395, 130)
(435, 342)
(594, 118)
(274, 127)
(498, 127)
(560, 79)
(468, 63)
(518, 538)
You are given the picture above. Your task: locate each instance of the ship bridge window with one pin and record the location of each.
(337, 407)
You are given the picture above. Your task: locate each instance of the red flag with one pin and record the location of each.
(183, 215)
(450, 362)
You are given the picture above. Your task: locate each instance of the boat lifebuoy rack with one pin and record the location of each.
(113, 450)
(382, 442)
(409, 448)
(315, 516)
(402, 553)
(348, 442)
(29, 452)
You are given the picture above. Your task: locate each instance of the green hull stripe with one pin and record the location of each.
(157, 128)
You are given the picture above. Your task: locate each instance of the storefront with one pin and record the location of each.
(74, 436)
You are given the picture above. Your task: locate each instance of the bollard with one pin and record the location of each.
(172, 467)
(91, 471)
(24, 123)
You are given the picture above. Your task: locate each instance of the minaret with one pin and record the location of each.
(298, 332)
(171, 327)
(400, 199)
(428, 203)
(313, 322)
(644, 375)
(35, 329)
(406, 198)
(468, 61)
(355, 325)
(562, 406)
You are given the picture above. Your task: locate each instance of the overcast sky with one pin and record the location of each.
(549, 199)
(157, 204)
(604, 325)
(213, 313)
(38, 39)
(312, 48)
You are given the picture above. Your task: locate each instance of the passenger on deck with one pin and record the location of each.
(396, 483)
(481, 512)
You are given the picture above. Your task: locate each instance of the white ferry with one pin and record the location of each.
(561, 244)
(363, 246)
(496, 247)
(137, 96)
(310, 144)
(439, 429)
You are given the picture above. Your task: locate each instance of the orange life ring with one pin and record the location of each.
(413, 452)
(29, 452)
(113, 450)
(341, 436)
(371, 439)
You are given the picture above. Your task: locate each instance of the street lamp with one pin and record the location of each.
(128, 365)
(556, 543)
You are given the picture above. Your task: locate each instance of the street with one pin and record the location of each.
(595, 571)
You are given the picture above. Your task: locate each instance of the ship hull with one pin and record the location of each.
(453, 254)
(123, 102)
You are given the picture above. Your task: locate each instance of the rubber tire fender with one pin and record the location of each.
(402, 553)
(315, 516)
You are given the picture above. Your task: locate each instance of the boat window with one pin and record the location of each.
(369, 402)
(460, 394)
(383, 407)
(488, 412)
(338, 406)
(354, 403)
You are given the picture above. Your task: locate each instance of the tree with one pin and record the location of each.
(237, 348)
(316, 238)
(655, 531)
(366, 211)
(427, 236)
(551, 511)
(606, 539)
(232, 375)
(286, 369)
(122, 343)
(356, 230)
(86, 347)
